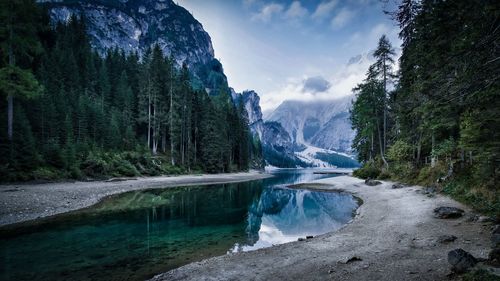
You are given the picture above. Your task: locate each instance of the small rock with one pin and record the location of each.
(353, 259)
(485, 219)
(398, 185)
(446, 238)
(331, 271)
(448, 212)
(472, 218)
(494, 257)
(429, 190)
(301, 239)
(309, 237)
(461, 261)
(371, 182)
(495, 236)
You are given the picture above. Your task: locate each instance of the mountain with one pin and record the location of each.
(323, 124)
(282, 149)
(251, 103)
(277, 145)
(137, 25)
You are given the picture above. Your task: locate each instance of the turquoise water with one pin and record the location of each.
(135, 235)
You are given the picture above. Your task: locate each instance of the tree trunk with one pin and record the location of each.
(433, 159)
(10, 115)
(10, 98)
(172, 160)
(155, 131)
(149, 119)
(164, 141)
(380, 145)
(385, 107)
(372, 149)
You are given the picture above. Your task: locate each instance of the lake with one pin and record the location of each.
(135, 235)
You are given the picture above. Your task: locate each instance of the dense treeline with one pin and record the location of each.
(73, 113)
(438, 122)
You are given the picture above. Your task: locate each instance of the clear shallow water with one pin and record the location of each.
(135, 235)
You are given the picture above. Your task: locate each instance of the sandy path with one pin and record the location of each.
(394, 234)
(23, 202)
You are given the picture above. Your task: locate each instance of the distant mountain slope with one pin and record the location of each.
(137, 25)
(323, 124)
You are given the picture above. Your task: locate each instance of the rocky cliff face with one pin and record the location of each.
(137, 25)
(323, 124)
(251, 102)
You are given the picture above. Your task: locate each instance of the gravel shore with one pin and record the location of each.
(394, 236)
(24, 202)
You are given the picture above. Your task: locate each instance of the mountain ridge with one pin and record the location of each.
(134, 26)
(323, 123)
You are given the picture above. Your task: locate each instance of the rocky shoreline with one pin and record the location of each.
(399, 233)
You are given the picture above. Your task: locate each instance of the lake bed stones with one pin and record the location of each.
(446, 239)
(371, 182)
(448, 213)
(461, 261)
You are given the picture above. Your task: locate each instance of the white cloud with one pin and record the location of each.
(267, 12)
(296, 10)
(340, 84)
(342, 18)
(369, 39)
(324, 9)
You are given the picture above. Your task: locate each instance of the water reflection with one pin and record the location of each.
(284, 215)
(138, 234)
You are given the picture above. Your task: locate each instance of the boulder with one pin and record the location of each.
(448, 212)
(461, 261)
(446, 238)
(371, 182)
(398, 185)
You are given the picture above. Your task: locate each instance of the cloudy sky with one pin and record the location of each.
(294, 49)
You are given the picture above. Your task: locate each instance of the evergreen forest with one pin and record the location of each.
(69, 112)
(435, 120)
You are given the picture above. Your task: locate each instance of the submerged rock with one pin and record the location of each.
(461, 261)
(446, 238)
(448, 212)
(371, 182)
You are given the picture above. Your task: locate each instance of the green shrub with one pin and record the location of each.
(400, 151)
(480, 275)
(402, 171)
(481, 198)
(46, 173)
(122, 167)
(429, 175)
(94, 166)
(368, 170)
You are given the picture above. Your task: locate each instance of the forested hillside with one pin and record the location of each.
(67, 112)
(436, 120)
